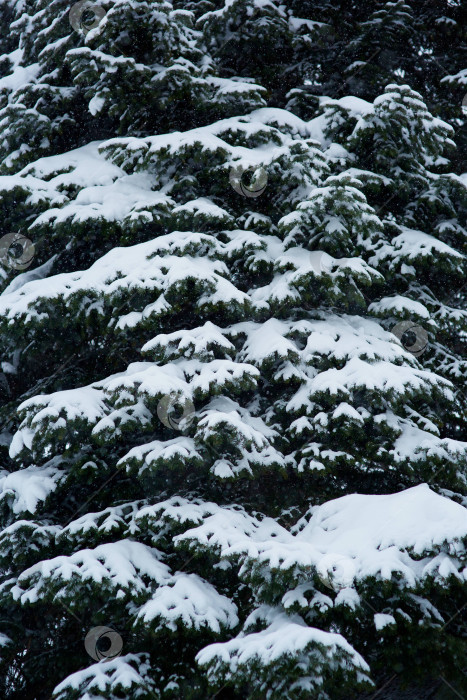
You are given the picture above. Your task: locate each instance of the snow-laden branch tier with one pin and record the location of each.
(233, 432)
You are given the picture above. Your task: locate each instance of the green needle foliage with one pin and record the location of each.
(233, 446)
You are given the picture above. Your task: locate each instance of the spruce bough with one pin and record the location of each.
(216, 445)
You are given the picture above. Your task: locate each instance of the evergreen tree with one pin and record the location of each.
(140, 71)
(233, 429)
(357, 48)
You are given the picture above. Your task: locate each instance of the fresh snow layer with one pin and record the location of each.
(21, 75)
(153, 265)
(129, 673)
(26, 488)
(285, 642)
(285, 636)
(191, 602)
(122, 565)
(97, 408)
(352, 537)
